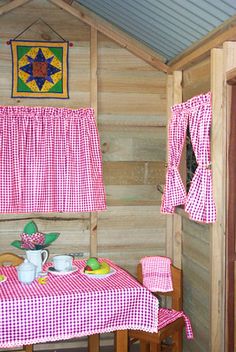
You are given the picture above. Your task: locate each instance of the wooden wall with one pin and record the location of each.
(196, 239)
(196, 282)
(132, 128)
(197, 79)
(132, 123)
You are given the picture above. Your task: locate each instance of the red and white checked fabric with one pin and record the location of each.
(50, 160)
(200, 204)
(156, 272)
(167, 316)
(29, 241)
(72, 306)
(174, 192)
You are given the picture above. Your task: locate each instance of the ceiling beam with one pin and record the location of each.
(68, 1)
(12, 5)
(231, 77)
(114, 33)
(201, 49)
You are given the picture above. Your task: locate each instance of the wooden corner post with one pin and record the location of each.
(94, 105)
(217, 237)
(174, 222)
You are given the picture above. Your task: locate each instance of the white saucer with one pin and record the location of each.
(53, 271)
(2, 278)
(98, 276)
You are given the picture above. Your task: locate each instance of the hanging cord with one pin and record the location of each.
(38, 20)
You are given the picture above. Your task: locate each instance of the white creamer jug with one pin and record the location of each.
(26, 272)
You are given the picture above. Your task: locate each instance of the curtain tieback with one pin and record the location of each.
(205, 166)
(171, 167)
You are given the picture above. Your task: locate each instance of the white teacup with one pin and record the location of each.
(63, 262)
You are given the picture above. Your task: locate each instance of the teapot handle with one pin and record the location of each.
(45, 255)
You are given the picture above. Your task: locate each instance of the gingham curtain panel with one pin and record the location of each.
(200, 204)
(50, 160)
(174, 193)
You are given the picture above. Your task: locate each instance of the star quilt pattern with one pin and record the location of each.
(40, 69)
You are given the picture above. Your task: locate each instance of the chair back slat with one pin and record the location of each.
(10, 259)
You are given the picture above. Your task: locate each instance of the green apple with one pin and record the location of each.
(93, 263)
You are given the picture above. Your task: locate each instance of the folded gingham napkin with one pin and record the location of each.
(157, 273)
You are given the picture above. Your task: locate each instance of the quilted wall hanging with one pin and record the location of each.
(39, 69)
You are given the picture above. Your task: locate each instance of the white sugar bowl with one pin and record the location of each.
(26, 272)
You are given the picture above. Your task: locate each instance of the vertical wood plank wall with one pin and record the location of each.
(203, 246)
(132, 125)
(131, 114)
(174, 223)
(229, 64)
(196, 239)
(188, 243)
(217, 243)
(196, 282)
(197, 79)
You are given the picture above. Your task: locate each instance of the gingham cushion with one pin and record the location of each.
(156, 273)
(168, 316)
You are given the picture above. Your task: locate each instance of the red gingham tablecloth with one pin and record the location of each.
(72, 306)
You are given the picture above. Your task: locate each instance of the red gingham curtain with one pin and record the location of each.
(50, 160)
(175, 193)
(200, 204)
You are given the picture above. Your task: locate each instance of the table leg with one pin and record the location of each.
(155, 347)
(121, 341)
(93, 343)
(144, 346)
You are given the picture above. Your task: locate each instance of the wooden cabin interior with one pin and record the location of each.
(132, 88)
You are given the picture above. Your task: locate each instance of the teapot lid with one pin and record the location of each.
(26, 266)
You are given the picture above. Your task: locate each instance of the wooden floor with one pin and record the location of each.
(134, 348)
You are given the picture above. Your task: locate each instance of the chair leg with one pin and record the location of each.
(121, 341)
(178, 340)
(144, 346)
(93, 343)
(155, 347)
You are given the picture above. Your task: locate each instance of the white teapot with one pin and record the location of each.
(26, 272)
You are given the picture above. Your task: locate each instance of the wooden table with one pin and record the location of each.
(74, 305)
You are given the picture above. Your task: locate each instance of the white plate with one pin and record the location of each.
(53, 271)
(2, 278)
(98, 276)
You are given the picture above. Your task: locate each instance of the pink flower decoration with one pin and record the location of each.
(30, 241)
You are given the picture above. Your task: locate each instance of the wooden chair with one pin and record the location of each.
(150, 342)
(11, 259)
